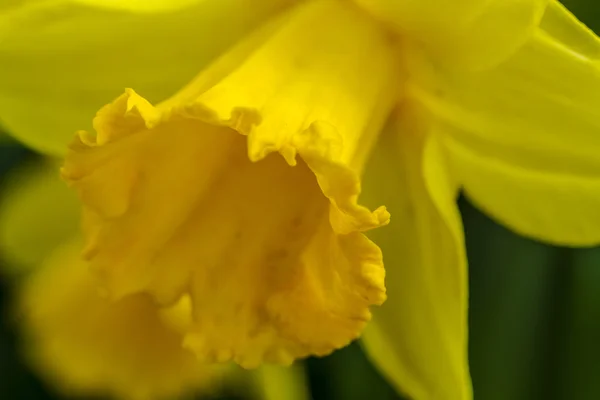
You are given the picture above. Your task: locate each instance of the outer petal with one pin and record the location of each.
(418, 338)
(471, 33)
(524, 138)
(561, 24)
(61, 60)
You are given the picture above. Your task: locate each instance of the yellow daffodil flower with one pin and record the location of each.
(241, 189)
(82, 343)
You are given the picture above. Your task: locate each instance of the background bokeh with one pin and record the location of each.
(534, 315)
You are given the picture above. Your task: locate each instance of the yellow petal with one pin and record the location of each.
(85, 345)
(141, 5)
(467, 33)
(38, 212)
(524, 137)
(60, 61)
(418, 338)
(242, 189)
(563, 26)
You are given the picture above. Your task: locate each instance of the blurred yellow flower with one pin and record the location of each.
(88, 345)
(240, 190)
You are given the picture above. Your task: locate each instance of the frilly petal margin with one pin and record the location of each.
(418, 338)
(365, 269)
(318, 147)
(61, 60)
(269, 245)
(524, 137)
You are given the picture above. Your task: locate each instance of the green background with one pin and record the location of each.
(534, 315)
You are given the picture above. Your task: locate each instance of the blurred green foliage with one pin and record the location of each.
(587, 11)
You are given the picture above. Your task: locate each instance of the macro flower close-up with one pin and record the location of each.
(280, 177)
